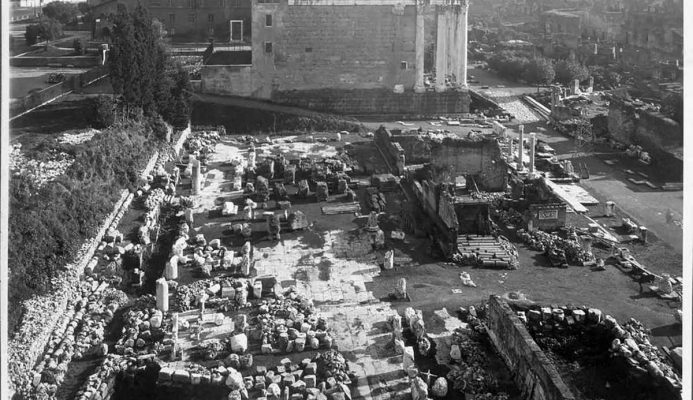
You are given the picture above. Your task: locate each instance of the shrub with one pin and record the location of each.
(102, 112)
(31, 34)
(158, 127)
(569, 70)
(78, 45)
(61, 11)
(539, 71)
(47, 225)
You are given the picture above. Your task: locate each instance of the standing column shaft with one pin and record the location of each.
(521, 149)
(441, 50)
(532, 145)
(419, 49)
(451, 41)
(462, 43)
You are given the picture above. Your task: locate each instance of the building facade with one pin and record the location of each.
(227, 21)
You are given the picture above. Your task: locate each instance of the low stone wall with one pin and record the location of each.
(535, 374)
(76, 61)
(376, 102)
(44, 312)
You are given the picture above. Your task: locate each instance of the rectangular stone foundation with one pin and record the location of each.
(365, 102)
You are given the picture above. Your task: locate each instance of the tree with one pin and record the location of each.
(539, 71)
(46, 29)
(569, 70)
(61, 11)
(672, 107)
(102, 112)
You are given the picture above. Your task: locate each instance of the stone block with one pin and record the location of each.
(165, 374)
(181, 376)
(546, 313)
(260, 370)
(311, 368)
(288, 380)
(310, 380)
(266, 349)
(195, 378)
(579, 315)
(594, 315)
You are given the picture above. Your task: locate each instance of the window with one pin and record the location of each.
(268, 20)
(210, 18)
(192, 3)
(268, 47)
(309, 49)
(172, 20)
(403, 65)
(192, 18)
(222, 3)
(236, 31)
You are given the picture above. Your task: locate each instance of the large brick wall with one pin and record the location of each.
(451, 158)
(376, 101)
(236, 80)
(326, 46)
(534, 373)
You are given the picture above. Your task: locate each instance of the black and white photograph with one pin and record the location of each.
(345, 200)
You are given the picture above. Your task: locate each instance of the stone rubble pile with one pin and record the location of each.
(543, 241)
(100, 383)
(78, 334)
(78, 138)
(223, 292)
(290, 324)
(41, 172)
(630, 340)
(144, 330)
(644, 357)
(325, 376)
(202, 144)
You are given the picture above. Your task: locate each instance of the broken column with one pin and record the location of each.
(590, 88)
(162, 294)
(252, 158)
(196, 175)
(171, 269)
(609, 209)
(576, 87)
(643, 234)
(521, 149)
(441, 49)
(389, 260)
(419, 49)
(532, 145)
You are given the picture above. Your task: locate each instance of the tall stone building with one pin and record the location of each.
(301, 47)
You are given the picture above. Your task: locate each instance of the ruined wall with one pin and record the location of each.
(417, 150)
(374, 101)
(236, 80)
(325, 46)
(535, 374)
(482, 159)
(652, 131)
